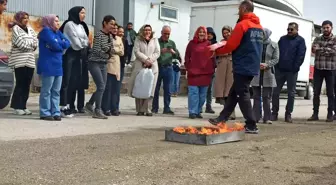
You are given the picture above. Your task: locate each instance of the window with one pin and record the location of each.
(168, 13)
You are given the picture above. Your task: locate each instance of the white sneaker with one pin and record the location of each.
(28, 112)
(19, 112)
(66, 113)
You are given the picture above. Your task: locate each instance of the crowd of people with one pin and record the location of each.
(246, 56)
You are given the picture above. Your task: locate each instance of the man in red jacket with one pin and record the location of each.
(246, 44)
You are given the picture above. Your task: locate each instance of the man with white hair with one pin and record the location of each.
(165, 61)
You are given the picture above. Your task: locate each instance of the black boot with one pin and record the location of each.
(330, 117)
(209, 110)
(288, 118)
(314, 117)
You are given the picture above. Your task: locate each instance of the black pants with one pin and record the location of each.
(72, 70)
(80, 92)
(23, 78)
(110, 96)
(239, 93)
(281, 78)
(209, 93)
(319, 76)
(129, 53)
(266, 94)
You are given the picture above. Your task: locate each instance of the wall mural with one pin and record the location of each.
(35, 23)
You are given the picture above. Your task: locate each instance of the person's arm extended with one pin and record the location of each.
(233, 42)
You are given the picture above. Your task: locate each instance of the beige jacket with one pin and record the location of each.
(142, 51)
(113, 65)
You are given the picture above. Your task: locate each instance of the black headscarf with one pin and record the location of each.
(212, 31)
(74, 17)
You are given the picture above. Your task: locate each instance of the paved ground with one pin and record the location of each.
(130, 150)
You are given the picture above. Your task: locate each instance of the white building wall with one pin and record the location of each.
(144, 14)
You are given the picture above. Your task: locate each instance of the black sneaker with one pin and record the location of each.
(57, 118)
(329, 118)
(254, 130)
(73, 111)
(192, 116)
(108, 113)
(314, 117)
(149, 114)
(154, 111)
(115, 113)
(89, 108)
(274, 117)
(216, 121)
(199, 116)
(98, 114)
(140, 114)
(288, 118)
(168, 112)
(66, 113)
(47, 118)
(210, 111)
(81, 111)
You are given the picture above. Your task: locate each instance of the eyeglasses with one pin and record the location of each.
(290, 29)
(166, 33)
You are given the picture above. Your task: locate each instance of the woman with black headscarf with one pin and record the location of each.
(213, 39)
(75, 75)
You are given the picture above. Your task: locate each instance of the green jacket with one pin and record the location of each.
(167, 58)
(133, 35)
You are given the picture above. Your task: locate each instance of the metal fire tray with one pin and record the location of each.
(198, 139)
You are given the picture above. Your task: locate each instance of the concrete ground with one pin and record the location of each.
(130, 150)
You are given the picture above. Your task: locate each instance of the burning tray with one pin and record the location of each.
(199, 137)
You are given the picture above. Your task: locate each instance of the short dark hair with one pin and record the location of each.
(3, 1)
(129, 23)
(107, 19)
(326, 22)
(248, 5)
(296, 25)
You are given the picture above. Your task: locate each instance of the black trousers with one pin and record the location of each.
(72, 70)
(239, 93)
(319, 76)
(80, 93)
(23, 78)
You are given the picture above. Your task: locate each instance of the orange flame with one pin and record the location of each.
(220, 128)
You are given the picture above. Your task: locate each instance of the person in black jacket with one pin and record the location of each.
(292, 54)
(213, 39)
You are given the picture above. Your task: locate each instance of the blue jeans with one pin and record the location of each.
(165, 75)
(50, 96)
(196, 98)
(175, 82)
